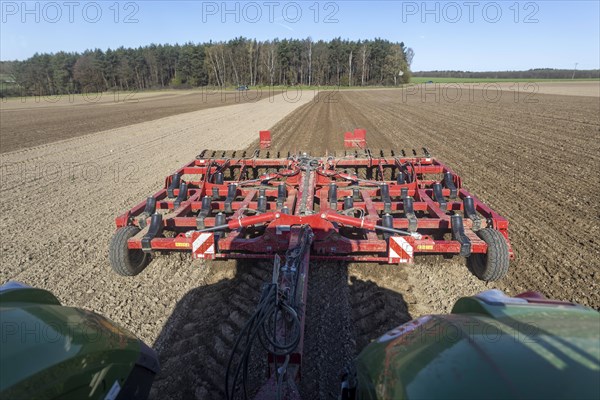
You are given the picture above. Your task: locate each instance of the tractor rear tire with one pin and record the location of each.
(493, 265)
(125, 261)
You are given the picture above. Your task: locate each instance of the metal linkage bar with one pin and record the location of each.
(278, 324)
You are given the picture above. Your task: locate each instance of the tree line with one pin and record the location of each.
(537, 73)
(240, 61)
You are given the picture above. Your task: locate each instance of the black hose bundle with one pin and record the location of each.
(273, 313)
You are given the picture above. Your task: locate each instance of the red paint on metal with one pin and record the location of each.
(358, 138)
(265, 139)
(339, 234)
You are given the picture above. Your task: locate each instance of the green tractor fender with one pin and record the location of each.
(51, 351)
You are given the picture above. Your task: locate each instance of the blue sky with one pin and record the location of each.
(462, 35)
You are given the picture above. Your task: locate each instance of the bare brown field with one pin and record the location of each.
(585, 88)
(535, 163)
(33, 121)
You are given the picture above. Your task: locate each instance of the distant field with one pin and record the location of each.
(423, 79)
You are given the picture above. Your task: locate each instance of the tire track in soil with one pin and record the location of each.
(198, 338)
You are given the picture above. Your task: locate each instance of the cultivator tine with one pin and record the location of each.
(148, 211)
(409, 212)
(281, 194)
(385, 196)
(181, 196)
(387, 221)
(175, 179)
(401, 178)
(218, 178)
(348, 203)
(231, 193)
(438, 196)
(426, 152)
(404, 193)
(204, 212)
(156, 228)
(333, 196)
(449, 183)
(261, 204)
(471, 213)
(458, 234)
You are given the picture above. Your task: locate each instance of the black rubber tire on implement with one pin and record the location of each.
(493, 265)
(124, 261)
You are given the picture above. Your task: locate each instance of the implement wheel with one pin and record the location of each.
(493, 265)
(124, 261)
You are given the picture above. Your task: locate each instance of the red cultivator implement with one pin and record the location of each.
(355, 205)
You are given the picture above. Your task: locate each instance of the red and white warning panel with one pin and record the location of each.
(203, 246)
(400, 251)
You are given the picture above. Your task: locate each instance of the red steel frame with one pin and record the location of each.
(260, 220)
(332, 241)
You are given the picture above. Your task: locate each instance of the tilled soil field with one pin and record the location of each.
(528, 161)
(535, 163)
(32, 121)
